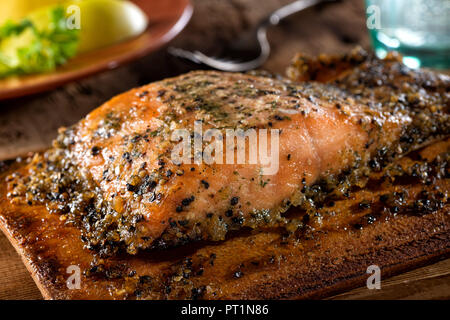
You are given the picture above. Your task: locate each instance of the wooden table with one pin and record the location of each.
(29, 124)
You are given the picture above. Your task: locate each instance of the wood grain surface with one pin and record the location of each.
(30, 123)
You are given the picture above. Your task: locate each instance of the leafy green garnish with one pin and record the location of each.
(26, 48)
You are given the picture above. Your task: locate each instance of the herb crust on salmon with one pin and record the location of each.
(112, 174)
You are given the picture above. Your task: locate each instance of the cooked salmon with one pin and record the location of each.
(113, 173)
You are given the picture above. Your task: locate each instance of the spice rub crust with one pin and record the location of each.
(112, 174)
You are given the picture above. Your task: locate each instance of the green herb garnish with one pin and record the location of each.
(26, 48)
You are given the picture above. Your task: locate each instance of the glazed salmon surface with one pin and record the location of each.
(316, 137)
(140, 198)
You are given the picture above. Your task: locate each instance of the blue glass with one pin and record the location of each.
(418, 29)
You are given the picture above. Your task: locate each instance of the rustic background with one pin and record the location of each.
(30, 123)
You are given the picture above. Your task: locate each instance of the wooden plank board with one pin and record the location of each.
(430, 282)
(331, 258)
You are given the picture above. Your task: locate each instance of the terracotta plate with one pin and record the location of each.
(166, 19)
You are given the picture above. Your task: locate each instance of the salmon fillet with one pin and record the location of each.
(113, 175)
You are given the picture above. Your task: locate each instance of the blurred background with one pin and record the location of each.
(419, 29)
(30, 123)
